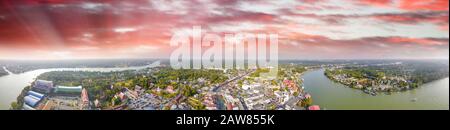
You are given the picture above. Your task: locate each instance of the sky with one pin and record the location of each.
(307, 29)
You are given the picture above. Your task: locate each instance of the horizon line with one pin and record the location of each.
(283, 59)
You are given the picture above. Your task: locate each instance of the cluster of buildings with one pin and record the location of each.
(232, 103)
(209, 102)
(256, 96)
(139, 100)
(279, 94)
(180, 106)
(282, 97)
(241, 92)
(371, 85)
(45, 96)
(32, 99)
(256, 93)
(291, 85)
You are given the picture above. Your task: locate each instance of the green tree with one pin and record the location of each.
(306, 102)
(15, 106)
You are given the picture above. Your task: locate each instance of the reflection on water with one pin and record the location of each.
(331, 95)
(11, 85)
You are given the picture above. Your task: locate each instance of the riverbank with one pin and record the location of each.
(18, 104)
(335, 96)
(12, 85)
(372, 84)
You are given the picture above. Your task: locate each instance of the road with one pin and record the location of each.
(231, 80)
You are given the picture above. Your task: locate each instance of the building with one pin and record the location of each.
(208, 101)
(36, 94)
(229, 106)
(291, 85)
(122, 96)
(31, 100)
(26, 107)
(97, 103)
(138, 90)
(84, 98)
(68, 89)
(43, 86)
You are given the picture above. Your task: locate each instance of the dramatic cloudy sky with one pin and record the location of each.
(307, 29)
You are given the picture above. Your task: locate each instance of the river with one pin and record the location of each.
(11, 85)
(327, 94)
(334, 96)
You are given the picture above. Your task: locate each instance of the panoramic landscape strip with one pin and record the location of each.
(159, 87)
(280, 55)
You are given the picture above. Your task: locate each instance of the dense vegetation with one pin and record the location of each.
(402, 76)
(415, 71)
(285, 71)
(358, 73)
(167, 76)
(258, 72)
(104, 85)
(24, 66)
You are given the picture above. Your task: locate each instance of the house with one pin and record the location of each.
(97, 103)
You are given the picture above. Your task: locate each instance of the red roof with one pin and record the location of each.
(229, 106)
(314, 107)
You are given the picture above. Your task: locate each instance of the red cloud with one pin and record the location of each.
(239, 16)
(444, 27)
(91, 31)
(439, 18)
(431, 5)
(434, 17)
(311, 1)
(411, 5)
(421, 41)
(310, 46)
(381, 3)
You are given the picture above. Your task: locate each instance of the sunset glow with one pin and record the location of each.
(307, 29)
